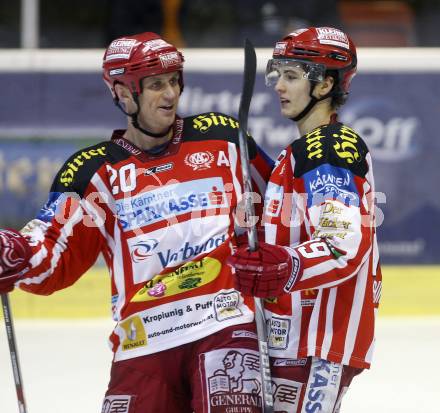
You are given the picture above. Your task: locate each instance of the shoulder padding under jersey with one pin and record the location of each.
(335, 144)
(77, 171)
(214, 126)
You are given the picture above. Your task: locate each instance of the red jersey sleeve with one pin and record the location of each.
(65, 238)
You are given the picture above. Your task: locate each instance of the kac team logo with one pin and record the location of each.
(199, 160)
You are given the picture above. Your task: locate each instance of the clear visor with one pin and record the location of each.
(291, 68)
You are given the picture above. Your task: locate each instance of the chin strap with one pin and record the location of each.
(307, 109)
(313, 101)
(134, 119)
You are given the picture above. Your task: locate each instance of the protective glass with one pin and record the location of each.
(277, 68)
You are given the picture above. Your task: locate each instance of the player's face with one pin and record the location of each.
(158, 101)
(293, 90)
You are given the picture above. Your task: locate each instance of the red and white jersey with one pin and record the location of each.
(164, 225)
(320, 202)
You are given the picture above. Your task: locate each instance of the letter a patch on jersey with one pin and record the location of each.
(222, 159)
(119, 403)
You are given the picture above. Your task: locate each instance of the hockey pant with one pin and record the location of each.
(309, 385)
(218, 374)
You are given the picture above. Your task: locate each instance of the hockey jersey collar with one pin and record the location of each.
(170, 148)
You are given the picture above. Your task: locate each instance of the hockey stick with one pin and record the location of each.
(250, 67)
(13, 352)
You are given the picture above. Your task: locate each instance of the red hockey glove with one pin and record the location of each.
(15, 254)
(242, 239)
(267, 272)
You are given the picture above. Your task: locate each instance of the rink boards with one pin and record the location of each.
(58, 103)
(407, 291)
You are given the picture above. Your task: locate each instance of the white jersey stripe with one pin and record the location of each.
(258, 180)
(328, 336)
(295, 215)
(110, 202)
(37, 229)
(369, 355)
(118, 275)
(39, 257)
(232, 152)
(356, 312)
(59, 248)
(313, 325)
(270, 233)
(296, 322)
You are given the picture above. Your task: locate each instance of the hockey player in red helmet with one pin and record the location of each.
(319, 268)
(138, 70)
(320, 54)
(130, 60)
(158, 202)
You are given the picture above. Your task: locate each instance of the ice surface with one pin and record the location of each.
(65, 367)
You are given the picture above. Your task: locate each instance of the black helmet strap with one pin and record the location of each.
(335, 91)
(313, 101)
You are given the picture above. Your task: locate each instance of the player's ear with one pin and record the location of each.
(325, 86)
(123, 93)
(125, 97)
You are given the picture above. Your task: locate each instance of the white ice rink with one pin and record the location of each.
(65, 366)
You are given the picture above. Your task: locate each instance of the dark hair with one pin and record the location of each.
(338, 96)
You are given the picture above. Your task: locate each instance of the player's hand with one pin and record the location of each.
(242, 239)
(267, 272)
(15, 254)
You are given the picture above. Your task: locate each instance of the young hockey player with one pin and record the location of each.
(158, 202)
(319, 269)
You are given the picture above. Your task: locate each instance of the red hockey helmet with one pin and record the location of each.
(320, 51)
(129, 59)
